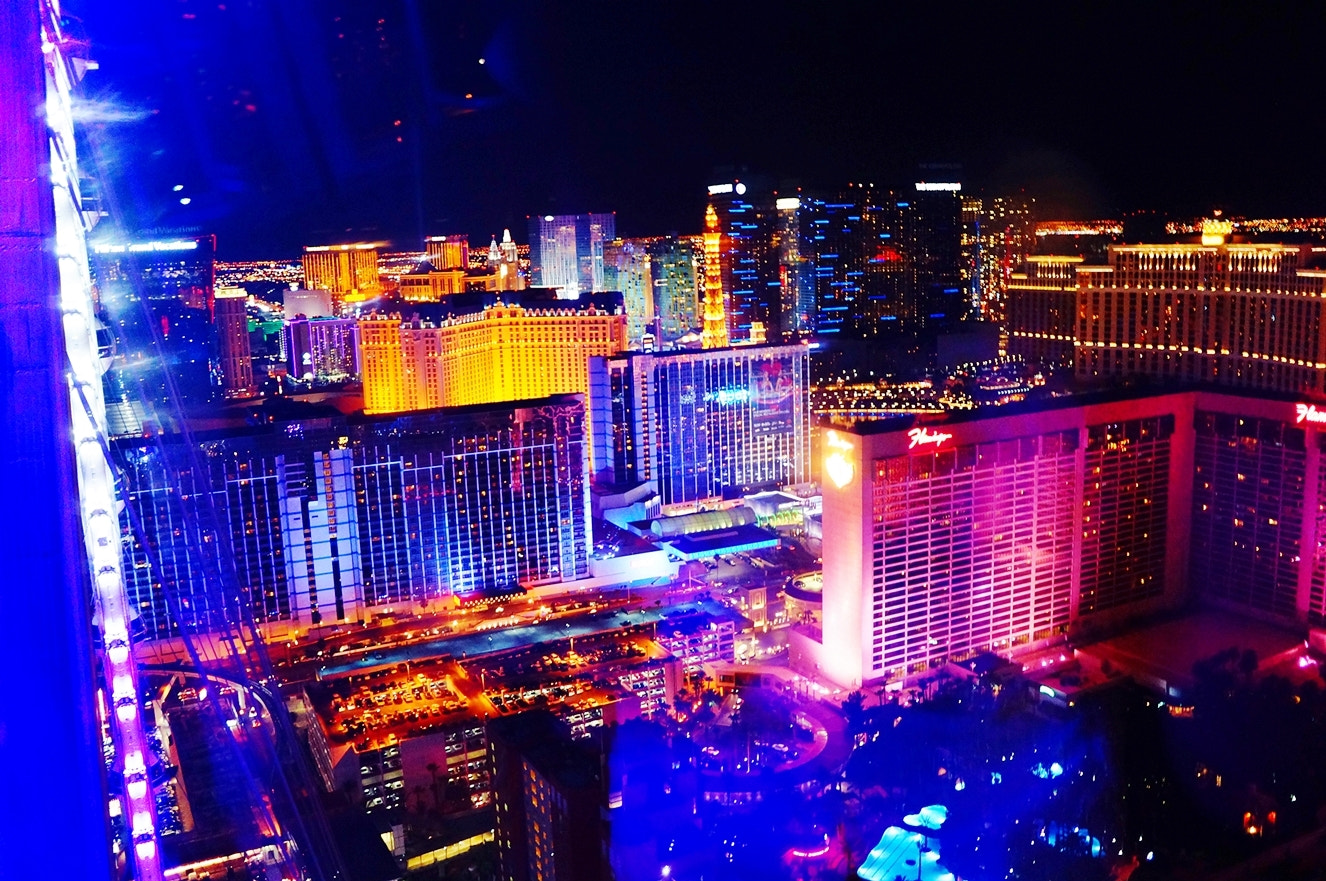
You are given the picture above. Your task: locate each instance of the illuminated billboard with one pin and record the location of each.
(772, 394)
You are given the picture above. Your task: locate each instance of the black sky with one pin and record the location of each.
(279, 119)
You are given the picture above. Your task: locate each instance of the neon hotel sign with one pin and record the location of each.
(925, 437)
(1309, 413)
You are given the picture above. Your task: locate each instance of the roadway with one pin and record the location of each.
(505, 639)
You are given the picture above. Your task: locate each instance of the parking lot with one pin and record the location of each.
(387, 709)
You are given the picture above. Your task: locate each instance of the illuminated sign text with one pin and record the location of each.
(139, 247)
(1309, 413)
(727, 396)
(921, 436)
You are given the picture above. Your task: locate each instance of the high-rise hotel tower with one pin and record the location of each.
(483, 348)
(1245, 315)
(349, 272)
(1004, 529)
(1242, 315)
(566, 251)
(232, 333)
(329, 520)
(703, 425)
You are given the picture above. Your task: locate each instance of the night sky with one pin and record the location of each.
(311, 121)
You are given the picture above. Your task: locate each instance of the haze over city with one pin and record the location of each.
(654, 443)
(294, 122)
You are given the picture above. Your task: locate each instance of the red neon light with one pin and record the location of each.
(921, 436)
(1309, 413)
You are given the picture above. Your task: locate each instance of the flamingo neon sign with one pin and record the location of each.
(924, 436)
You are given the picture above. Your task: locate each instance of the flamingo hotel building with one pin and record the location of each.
(1007, 530)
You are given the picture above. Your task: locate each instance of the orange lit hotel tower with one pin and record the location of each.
(506, 351)
(350, 272)
(1250, 316)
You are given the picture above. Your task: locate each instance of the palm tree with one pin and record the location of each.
(1247, 663)
(433, 769)
(854, 712)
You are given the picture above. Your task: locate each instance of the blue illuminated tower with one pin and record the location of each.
(703, 425)
(749, 264)
(884, 261)
(566, 251)
(933, 234)
(51, 745)
(861, 262)
(796, 276)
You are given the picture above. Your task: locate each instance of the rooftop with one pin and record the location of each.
(722, 541)
(1168, 649)
(520, 637)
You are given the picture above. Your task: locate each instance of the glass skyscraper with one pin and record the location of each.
(880, 261)
(628, 269)
(676, 275)
(796, 276)
(932, 231)
(566, 251)
(861, 262)
(703, 425)
(749, 267)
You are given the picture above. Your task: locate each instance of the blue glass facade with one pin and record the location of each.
(566, 251)
(674, 274)
(860, 263)
(749, 264)
(328, 520)
(703, 425)
(881, 261)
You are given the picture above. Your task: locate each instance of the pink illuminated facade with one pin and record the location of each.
(1004, 532)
